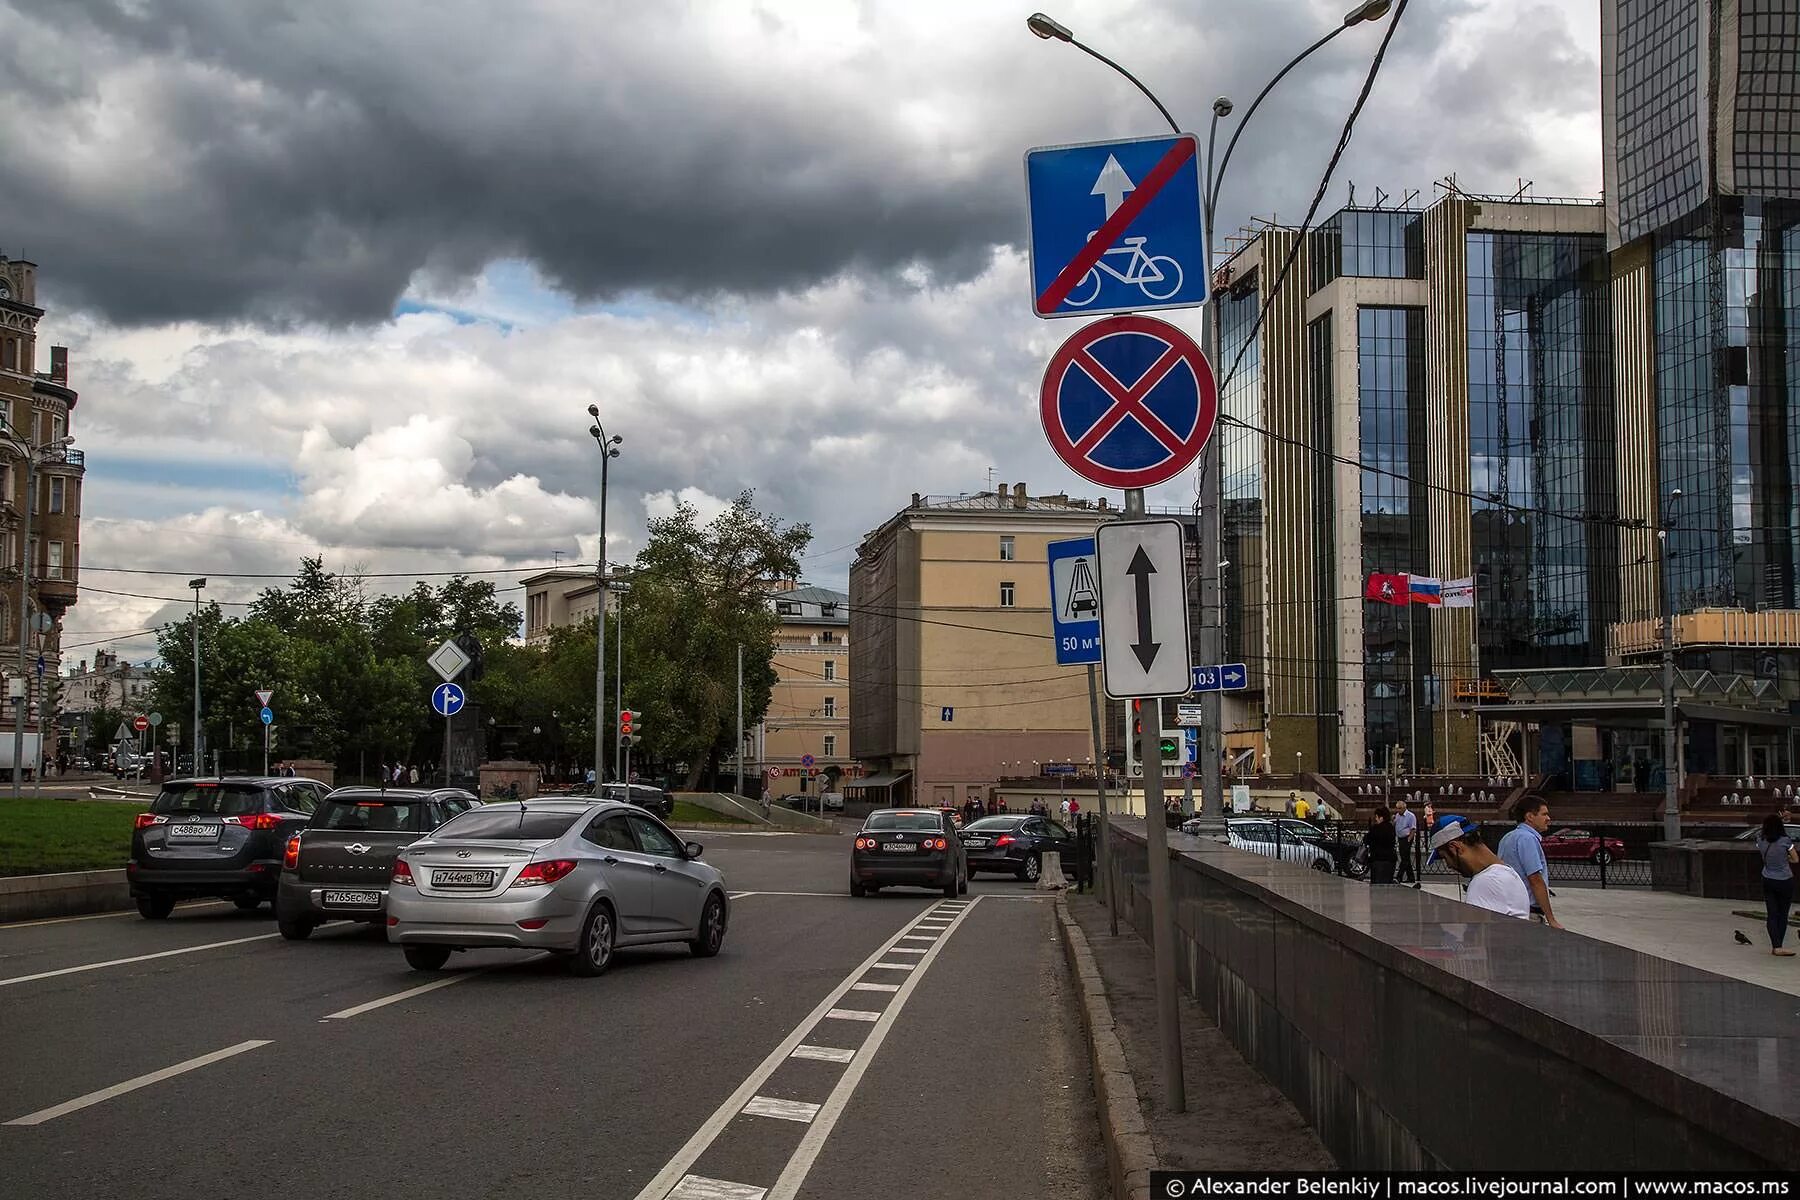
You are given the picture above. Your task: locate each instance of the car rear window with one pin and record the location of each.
(904, 820)
(508, 825)
(375, 816)
(224, 800)
(994, 823)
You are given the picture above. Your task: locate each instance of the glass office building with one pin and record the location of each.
(1241, 456)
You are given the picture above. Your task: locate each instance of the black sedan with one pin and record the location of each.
(914, 847)
(1016, 845)
(216, 837)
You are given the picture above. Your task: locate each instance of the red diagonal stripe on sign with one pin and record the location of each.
(1128, 401)
(1109, 232)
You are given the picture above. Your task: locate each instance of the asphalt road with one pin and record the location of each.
(204, 1056)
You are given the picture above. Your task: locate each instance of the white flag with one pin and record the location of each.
(1459, 593)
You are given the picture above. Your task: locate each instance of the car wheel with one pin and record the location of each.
(1031, 870)
(426, 958)
(155, 908)
(712, 928)
(1321, 864)
(962, 889)
(593, 953)
(294, 930)
(950, 887)
(856, 889)
(971, 874)
(247, 903)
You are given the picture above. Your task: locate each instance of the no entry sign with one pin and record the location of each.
(1128, 402)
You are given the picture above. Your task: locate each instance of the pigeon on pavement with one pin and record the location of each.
(1741, 939)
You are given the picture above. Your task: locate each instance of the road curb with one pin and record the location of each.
(65, 894)
(1129, 1154)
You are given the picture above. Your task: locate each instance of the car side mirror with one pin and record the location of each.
(692, 849)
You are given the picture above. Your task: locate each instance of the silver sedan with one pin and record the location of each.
(577, 877)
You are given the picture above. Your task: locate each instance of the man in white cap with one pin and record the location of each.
(1492, 884)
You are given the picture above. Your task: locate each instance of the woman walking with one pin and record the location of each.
(1384, 852)
(1779, 857)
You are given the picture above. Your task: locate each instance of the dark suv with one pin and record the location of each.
(216, 837)
(651, 799)
(337, 868)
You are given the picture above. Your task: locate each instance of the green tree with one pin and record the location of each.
(103, 723)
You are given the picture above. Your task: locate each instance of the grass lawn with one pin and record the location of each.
(41, 836)
(687, 814)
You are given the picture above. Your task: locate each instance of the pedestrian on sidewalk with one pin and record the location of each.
(1381, 846)
(1779, 857)
(1406, 825)
(1522, 849)
(1491, 883)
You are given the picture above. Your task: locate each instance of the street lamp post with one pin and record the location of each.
(608, 451)
(197, 585)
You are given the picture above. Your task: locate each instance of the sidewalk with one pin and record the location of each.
(1684, 929)
(1235, 1119)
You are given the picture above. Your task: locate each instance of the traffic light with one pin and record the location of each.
(629, 727)
(1169, 748)
(1137, 720)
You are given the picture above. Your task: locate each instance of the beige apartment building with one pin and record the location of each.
(561, 598)
(953, 676)
(809, 709)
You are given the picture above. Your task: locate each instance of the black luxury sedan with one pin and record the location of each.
(914, 847)
(1016, 845)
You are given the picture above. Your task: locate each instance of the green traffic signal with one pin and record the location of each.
(1169, 747)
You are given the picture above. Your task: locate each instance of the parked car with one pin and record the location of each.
(1261, 836)
(337, 868)
(1749, 835)
(1016, 845)
(1582, 846)
(910, 847)
(576, 877)
(1346, 853)
(216, 837)
(650, 799)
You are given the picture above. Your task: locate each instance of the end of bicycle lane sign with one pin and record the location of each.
(1116, 226)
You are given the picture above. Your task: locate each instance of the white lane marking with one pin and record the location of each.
(105, 916)
(851, 1014)
(668, 1182)
(909, 950)
(740, 895)
(916, 937)
(359, 1009)
(136, 958)
(786, 1110)
(823, 1054)
(829, 895)
(887, 966)
(813, 1140)
(132, 1085)
(699, 1187)
(875, 987)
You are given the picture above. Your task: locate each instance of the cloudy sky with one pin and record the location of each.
(343, 277)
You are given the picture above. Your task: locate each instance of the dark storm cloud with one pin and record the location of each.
(224, 159)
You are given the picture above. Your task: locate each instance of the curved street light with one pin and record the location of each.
(609, 450)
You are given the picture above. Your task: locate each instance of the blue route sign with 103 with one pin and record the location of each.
(1155, 253)
(1225, 677)
(1074, 601)
(446, 699)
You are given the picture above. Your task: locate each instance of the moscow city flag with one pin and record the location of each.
(1387, 589)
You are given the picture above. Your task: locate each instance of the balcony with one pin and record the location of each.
(69, 458)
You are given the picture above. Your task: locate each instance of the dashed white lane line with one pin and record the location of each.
(786, 1110)
(136, 958)
(359, 1009)
(106, 916)
(875, 987)
(910, 950)
(852, 1014)
(132, 1085)
(823, 1054)
(673, 1182)
(916, 937)
(891, 966)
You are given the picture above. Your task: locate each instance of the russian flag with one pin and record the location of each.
(1425, 590)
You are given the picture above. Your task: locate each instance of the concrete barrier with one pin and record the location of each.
(745, 809)
(1417, 1032)
(65, 894)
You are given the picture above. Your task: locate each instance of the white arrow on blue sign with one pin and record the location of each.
(1116, 226)
(1226, 677)
(446, 699)
(267, 715)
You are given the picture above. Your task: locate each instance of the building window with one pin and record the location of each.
(9, 354)
(831, 706)
(1006, 549)
(828, 610)
(53, 563)
(830, 745)
(830, 669)
(784, 608)
(1006, 595)
(827, 638)
(58, 492)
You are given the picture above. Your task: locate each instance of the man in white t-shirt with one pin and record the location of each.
(1492, 884)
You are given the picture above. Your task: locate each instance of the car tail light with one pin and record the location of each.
(863, 843)
(936, 844)
(538, 874)
(402, 873)
(534, 923)
(263, 821)
(290, 858)
(393, 920)
(146, 820)
(1005, 839)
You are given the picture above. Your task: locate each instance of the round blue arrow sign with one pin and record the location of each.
(446, 699)
(268, 715)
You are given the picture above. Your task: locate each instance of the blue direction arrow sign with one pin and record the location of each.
(1074, 601)
(267, 715)
(446, 699)
(1225, 677)
(1115, 226)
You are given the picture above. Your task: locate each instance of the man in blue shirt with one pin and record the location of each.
(1522, 849)
(1405, 827)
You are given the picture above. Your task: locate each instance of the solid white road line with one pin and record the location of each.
(786, 1110)
(409, 993)
(105, 916)
(851, 1014)
(823, 1054)
(136, 958)
(699, 1187)
(875, 987)
(813, 1140)
(668, 1183)
(132, 1085)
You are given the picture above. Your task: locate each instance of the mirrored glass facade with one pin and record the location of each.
(1765, 133)
(1660, 169)
(1324, 540)
(1367, 244)
(1541, 438)
(1241, 453)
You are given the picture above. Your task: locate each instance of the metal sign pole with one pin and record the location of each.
(265, 750)
(1162, 939)
(1109, 891)
(446, 748)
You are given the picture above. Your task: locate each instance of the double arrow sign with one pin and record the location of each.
(1143, 609)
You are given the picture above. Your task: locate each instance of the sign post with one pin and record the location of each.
(447, 700)
(1075, 625)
